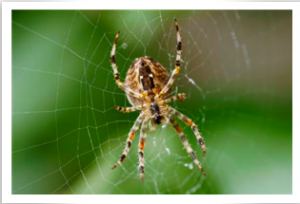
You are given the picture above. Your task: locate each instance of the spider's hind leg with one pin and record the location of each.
(175, 72)
(121, 85)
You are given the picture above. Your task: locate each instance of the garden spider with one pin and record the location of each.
(147, 86)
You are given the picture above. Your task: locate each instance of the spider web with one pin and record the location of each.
(67, 136)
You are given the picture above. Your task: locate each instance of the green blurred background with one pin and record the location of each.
(236, 72)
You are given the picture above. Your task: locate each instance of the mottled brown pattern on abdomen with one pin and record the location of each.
(160, 76)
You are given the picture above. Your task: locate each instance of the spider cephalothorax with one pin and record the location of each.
(148, 86)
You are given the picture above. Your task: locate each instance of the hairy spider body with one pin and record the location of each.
(155, 111)
(148, 86)
(145, 74)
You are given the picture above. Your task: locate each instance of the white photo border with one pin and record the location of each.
(8, 197)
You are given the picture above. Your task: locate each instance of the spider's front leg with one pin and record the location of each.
(131, 136)
(177, 64)
(186, 144)
(141, 149)
(121, 85)
(194, 127)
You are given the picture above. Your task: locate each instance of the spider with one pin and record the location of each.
(147, 86)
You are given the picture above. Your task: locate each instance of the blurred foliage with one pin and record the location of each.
(237, 74)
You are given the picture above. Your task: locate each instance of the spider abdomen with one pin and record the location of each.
(145, 74)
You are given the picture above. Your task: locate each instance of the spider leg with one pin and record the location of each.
(116, 73)
(141, 149)
(128, 109)
(180, 96)
(131, 136)
(177, 64)
(186, 144)
(194, 127)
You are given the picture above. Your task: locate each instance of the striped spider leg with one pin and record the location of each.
(180, 96)
(186, 144)
(130, 138)
(121, 85)
(142, 144)
(128, 109)
(177, 65)
(194, 127)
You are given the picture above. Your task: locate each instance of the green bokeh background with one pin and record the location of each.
(236, 72)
